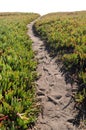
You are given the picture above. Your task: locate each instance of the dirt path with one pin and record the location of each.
(52, 91)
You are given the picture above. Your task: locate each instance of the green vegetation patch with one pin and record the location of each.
(17, 72)
(65, 34)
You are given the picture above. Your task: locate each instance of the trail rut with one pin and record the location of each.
(52, 91)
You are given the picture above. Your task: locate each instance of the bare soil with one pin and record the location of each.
(53, 92)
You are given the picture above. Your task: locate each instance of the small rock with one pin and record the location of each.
(49, 73)
(45, 69)
(68, 89)
(42, 57)
(69, 127)
(52, 84)
(38, 76)
(71, 120)
(41, 48)
(52, 100)
(42, 89)
(56, 74)
(40, 93)
(40, 98)
(57, 96)
(67, 95)
(74, 90)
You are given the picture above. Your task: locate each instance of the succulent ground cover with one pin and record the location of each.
(65, 36)
(17, 72)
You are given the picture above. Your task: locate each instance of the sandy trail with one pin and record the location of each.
(52, 91)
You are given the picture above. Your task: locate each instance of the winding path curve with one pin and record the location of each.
(52, 91)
